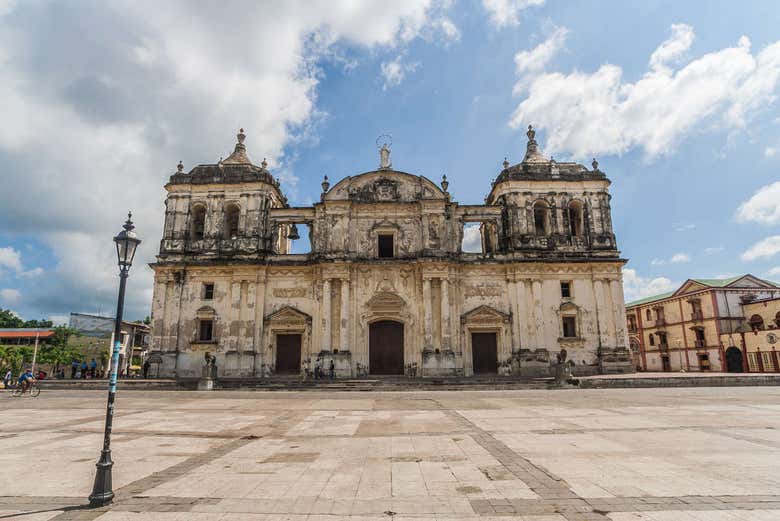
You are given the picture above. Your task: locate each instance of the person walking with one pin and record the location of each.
(92, 368)
(7, 379)
(73, 368)
(146, 366)
(84, 369)
(332, 370)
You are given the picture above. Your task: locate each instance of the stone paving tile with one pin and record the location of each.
(542, 456)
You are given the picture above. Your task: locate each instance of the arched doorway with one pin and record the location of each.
(734, 360)
(386, 347)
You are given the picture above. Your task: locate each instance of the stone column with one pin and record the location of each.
(234, 316)
(602, 312)
(523, 317)
(538, 315)
(344, 336)
(326, 298)
(446, 328)
(427, 318)
(618, 313)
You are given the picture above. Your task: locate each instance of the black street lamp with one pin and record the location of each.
(126, 244)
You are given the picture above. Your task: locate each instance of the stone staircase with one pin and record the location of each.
(294, 383)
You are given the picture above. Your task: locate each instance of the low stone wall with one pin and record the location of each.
(735, 380)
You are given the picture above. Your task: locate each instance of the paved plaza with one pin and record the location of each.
(624, 454)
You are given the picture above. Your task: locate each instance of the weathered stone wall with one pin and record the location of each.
(440, 305)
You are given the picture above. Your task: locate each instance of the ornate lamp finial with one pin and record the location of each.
(444, 183)
(219, 164)
(595, 165)
(241, 136)
(264, 164)
(325, 184)
(505, 163)
(180, 167)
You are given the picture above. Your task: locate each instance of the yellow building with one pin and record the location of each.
(684, 329)
(754, 345)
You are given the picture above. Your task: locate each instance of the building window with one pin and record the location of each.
(701, 341)
(652, 339)
(756, 323)
(565, 289)
(575, 218)
(198, 223)
(231, 221)
(540, 218)
(649, 316)
(569, 327)
(385, 246)
(206, 330)
(777, 319)
(662, 340)
(208, 291)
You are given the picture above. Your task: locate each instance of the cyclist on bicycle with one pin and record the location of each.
(26, 379)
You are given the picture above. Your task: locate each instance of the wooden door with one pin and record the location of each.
(484, 353)
(734, 360)
(386, 347)
(288, 354)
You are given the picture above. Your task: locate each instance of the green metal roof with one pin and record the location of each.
(719, 283)
(712, 283)
(650, 299)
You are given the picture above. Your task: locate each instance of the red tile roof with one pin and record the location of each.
(26, 334)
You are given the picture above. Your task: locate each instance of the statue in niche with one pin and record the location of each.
(434, 240)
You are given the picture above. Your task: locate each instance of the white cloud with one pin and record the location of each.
(29, 274)
(677, 258)
(507, 12)
(10, 258)
(684, 227)
(536, 59)
(395, 71)
(448, 29)
(774, 272)
(472, 239)
(713, 250)
(10, 295)
(763, 207)
(771, 151)
(601, 113)
(132, 97)
(674, 48)
(636, 287)
(764, 248)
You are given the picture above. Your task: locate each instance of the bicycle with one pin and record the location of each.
(33, 389)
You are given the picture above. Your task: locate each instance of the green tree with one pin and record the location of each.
(9, 319)
(15, 357)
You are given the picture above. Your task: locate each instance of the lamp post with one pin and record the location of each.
(126, 244)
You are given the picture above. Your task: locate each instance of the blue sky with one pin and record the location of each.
(100, 102)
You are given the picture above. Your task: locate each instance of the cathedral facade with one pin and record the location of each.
(387, 287)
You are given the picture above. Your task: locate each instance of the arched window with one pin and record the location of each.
(541, 211)
(231, 221)
(198, 226)
(649, 315)
(756, 323)
(575, 218)
(777, 319)
(652, 339)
